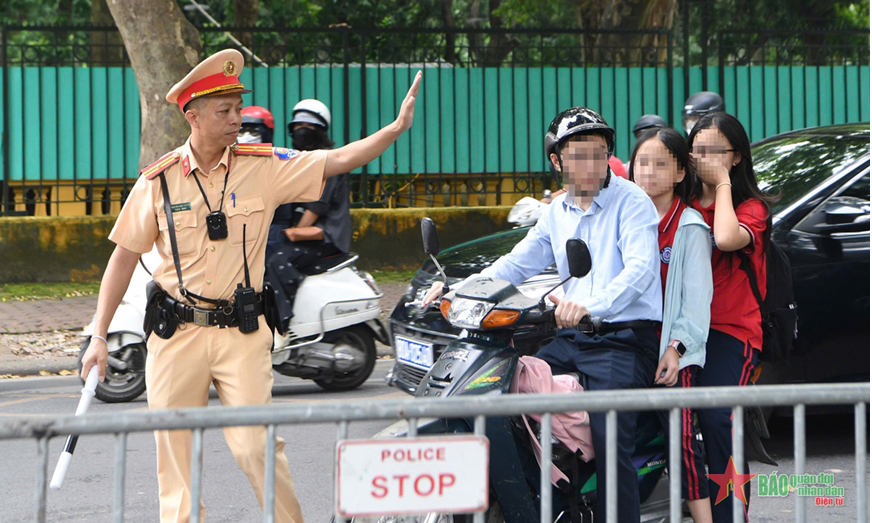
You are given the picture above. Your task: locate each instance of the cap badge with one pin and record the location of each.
(229, 68)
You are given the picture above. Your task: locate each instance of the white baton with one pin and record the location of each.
(64, 461)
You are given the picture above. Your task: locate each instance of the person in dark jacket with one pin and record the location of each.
(303, 233)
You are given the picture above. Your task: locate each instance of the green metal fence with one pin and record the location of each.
(82, 123)
(70, 123)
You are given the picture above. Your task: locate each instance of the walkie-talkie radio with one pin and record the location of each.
(246, 312)
(246, 298)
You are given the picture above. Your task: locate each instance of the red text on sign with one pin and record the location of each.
(413, 455)
(422, 486)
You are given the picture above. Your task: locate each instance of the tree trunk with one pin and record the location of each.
(626, 49)
(450, 36)
(163, 47)
(107, 49)
(245, 15)
(498, 46)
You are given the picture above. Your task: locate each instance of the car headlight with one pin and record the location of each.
(466, 313)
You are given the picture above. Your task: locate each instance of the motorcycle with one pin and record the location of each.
(331, 338)
(483, 362)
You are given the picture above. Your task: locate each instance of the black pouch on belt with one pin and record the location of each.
(159, 320)
(271, 309)
(153, 296)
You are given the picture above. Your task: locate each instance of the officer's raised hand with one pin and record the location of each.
(567, 313)
(359, 153)
(407, 109)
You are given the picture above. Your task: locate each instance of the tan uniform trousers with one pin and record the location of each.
(178, 373)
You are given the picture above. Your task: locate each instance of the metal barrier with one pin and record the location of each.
(478, 407)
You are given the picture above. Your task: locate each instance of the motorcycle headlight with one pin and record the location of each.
(466, 313)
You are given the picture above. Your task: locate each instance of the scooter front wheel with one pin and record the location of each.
(121, 385)
(358, 338)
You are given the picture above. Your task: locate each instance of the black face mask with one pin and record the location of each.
(306, 139)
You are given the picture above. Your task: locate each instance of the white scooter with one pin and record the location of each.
(331, 338)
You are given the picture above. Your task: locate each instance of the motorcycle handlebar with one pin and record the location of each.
(587, 323)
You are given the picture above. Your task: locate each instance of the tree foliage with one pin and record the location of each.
(372, 30)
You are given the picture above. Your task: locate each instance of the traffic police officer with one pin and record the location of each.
(208, 176)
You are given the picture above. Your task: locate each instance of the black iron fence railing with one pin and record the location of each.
(70, 104)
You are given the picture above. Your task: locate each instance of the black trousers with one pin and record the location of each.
(728, 361)
(694, 482)
(286, 269)
(624, 359)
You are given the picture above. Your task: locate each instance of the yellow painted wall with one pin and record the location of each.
(62, 249)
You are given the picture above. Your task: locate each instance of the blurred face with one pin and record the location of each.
(711, 150)
(304, 125)
(655, 169)
(585, 165)
(217, 119)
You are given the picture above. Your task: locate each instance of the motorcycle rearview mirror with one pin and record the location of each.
(430, 237)
(431, 247)
(578, 258)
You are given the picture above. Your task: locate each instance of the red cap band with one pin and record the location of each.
(210, 84)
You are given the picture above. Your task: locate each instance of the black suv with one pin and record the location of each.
(821, 221)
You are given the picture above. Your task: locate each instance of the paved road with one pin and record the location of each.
(86, 495)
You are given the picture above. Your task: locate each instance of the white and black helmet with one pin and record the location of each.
(310, 111)
(573, 121)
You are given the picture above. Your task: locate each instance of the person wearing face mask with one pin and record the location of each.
(257, 126)
(303, 233)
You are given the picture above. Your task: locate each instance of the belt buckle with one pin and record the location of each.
(201, 318)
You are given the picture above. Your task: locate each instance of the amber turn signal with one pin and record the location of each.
(444, 306)
(500, 318)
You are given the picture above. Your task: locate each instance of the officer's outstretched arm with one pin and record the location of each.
(359, 153)
(112, 287)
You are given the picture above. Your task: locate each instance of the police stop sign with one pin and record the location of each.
(412, 476)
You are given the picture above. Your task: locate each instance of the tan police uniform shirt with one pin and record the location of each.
(255, 187)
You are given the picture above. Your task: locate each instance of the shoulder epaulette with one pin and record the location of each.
(161, 165)
(253, 149)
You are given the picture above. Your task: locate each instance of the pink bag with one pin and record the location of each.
(533, 375)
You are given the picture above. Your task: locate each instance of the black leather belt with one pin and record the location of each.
(617, 326)
(214, 317)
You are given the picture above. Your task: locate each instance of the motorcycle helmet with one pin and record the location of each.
(648, 121)
(257, 125)
(310, 111)
(699, 104)
(526, 211)
(573, 121)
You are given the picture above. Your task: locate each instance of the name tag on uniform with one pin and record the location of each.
(178, 207)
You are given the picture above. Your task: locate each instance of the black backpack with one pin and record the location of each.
(778, 310)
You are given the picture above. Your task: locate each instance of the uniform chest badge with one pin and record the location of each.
(666, 255)
(284, 153)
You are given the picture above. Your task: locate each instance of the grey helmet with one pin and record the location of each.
(648, 121)
(700, 104)
(572, 121)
